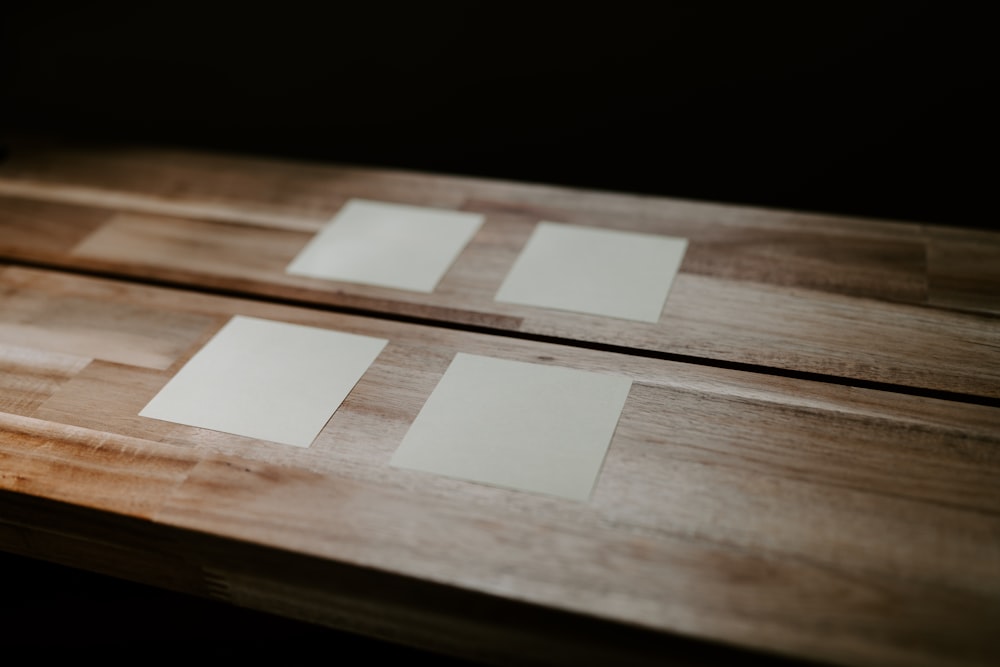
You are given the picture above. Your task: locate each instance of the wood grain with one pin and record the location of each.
(120, 332)
(29, 376)
(803, 519)
(491, 630)
(93, 469)
(964, 269)
(865, 300)
(43, 228)
(811, 520)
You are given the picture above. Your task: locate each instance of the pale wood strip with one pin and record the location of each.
(28, 376)
(127, 333)
(108, 396)
(194, 246)
(88, 468)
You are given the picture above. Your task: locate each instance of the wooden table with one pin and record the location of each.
(806, 464)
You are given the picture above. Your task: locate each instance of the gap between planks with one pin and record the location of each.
(503, 330)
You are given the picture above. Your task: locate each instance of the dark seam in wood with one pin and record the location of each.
(812, 376)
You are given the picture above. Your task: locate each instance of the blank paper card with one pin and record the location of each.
(388, 245)
(518, 425)
(266, 379)
(595, 271)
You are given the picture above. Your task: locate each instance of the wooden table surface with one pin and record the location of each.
(806, 464)
(878, 302)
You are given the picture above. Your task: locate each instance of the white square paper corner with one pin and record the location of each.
(387, 245)
(266, 379)
(596, 271)
(517, 425)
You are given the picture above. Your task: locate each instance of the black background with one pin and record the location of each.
(879, 109)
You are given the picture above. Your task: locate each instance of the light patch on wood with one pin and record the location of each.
(126, 333)
(29, 376)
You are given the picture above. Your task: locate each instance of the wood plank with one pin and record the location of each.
(28, 376)
(44, 228)
(758, 236)
(191, 246)
(871, 301)
(707, 317)
(868, 258)
(271, 193)
(93, 469)
(964, 269)
(128, 333)
(811, 520)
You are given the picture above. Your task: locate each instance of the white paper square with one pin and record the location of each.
(389, 245)
(517, 425)
(595, 271)
(264, 379)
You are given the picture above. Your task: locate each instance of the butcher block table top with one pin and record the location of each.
(893, 305)
(806, 464)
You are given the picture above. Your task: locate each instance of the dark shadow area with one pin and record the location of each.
(51, 610)
(880, 109)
